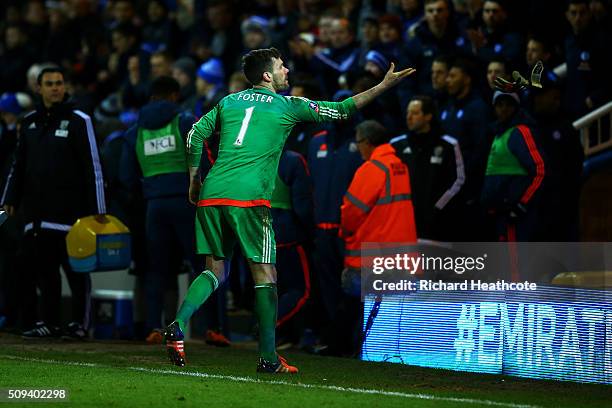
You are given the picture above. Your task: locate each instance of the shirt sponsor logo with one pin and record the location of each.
(160, 145)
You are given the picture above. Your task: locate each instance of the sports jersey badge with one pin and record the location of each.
(322, 151)
(314, 106)
(437, 155)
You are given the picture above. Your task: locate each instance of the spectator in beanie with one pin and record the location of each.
(210, 86)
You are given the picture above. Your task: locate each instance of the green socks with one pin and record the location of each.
(201, 288)
(266, 304)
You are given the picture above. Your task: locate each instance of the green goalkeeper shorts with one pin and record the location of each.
(221, 227)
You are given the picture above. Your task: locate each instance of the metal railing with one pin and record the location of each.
(595, 129)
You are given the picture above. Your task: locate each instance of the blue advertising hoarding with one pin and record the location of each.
(557, 333)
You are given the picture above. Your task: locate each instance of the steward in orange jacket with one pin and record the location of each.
(377, 206)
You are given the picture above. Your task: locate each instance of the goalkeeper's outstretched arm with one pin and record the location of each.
(391, 79)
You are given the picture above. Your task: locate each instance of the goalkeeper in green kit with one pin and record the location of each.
(234, 200)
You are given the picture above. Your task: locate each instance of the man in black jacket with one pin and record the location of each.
(55, 179)
(436, 170)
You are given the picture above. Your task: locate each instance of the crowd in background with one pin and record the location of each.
(111, 51)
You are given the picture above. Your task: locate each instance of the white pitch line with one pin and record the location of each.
(279, 382)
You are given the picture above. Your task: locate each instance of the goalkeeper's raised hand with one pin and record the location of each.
(391, 79)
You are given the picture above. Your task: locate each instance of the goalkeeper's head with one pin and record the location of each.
(264, 67)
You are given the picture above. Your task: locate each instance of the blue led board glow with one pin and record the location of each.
(552, 333)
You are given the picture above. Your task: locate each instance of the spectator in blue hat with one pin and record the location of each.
(376, 64)
(210, 86)
(12, 105)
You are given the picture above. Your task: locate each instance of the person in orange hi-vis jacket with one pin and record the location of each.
(377, 206)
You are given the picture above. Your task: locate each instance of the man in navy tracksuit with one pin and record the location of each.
(55, 179)
(292, 214)
(466, 117)
(155, 151)
(515, 173)
(333, 159)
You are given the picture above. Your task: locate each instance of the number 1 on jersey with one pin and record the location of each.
(248, 112)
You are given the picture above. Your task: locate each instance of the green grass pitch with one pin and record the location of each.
(123, 374)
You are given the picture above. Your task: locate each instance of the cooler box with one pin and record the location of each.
(112, 314)
(99, 243)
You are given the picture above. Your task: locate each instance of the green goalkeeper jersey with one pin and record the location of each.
(254, 125)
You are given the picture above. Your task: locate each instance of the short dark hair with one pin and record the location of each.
(502, 3)
(547, 44)
(256, 62)
(444, 59)
(426, 2)
(163, 87)
(467, 66)
(165, 54)
(49, 70)
(428, 106)
(373, 132)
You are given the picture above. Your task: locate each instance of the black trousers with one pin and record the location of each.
(40, 256)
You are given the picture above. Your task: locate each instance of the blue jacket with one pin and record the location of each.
(466, 120)
(295, 225)
(154, 115)
(504, 44)
(333, 161)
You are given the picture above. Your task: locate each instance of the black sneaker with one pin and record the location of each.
(74, 331)
(42, 331)
(173, 337)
